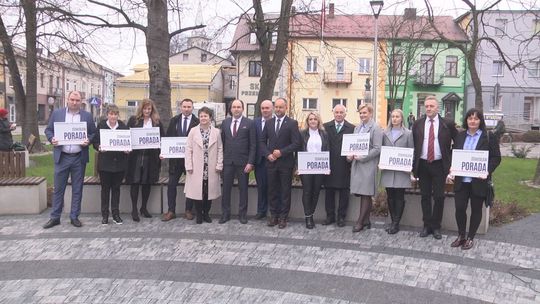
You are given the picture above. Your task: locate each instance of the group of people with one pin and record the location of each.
(214, 158)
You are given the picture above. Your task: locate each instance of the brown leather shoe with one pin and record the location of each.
(168, 216)
(458, 242)
(188, 215)
(282, 223)
(272, 221)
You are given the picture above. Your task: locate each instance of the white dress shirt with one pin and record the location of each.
(72, 117)
(437, 148)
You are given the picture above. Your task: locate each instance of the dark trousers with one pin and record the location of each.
(203, 206)
(134, 193)
(279, 190)
(432, 180)
(172, 191)
(69, 165)
(311, 184)
(229, 173)
(262, 188)
(330, 202)
(462, 200)
(396, 203)
(110, 188)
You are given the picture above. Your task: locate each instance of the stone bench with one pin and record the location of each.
(23, 195)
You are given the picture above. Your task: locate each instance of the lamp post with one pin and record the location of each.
(376, 7)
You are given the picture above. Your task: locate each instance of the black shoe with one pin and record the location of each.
(260, 216)
(367, 226)
(105, 221)
(243, 219)
(135, 216)
(117, 220)
(329, 221)
(75, 222)
(206, 218)
(51, 223)
(340, 222)
(393, 229)
(145, 213)
(223, 219)
(437, 234)
(310, 224)
(425, 232)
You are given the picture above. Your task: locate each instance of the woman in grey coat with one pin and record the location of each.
(364, 168)
(395, 182)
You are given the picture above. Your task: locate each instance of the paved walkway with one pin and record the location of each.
(180, 262)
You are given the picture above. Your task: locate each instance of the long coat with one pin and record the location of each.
(135, 157)
(340, 168)
(364, 171)
(391, 178)
(479, 186)
(194, 162)
(6, 139)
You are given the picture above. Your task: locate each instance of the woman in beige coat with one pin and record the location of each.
(204, 163)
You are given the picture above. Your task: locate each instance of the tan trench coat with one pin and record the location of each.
(194, 162)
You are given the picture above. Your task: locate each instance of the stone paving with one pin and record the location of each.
(180, 262)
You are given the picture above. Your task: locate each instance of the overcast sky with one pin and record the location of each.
(121, 49)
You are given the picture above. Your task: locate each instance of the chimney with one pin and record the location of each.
(331, 10)
(410, 13)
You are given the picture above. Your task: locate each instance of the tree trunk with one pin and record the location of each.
(475, 79)
(536, 180)
(29, 107)
(157, 47)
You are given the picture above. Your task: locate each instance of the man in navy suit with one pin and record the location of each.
(260, 160)
(180, 125)
(279, 141)
(239, 145)
(69, 160)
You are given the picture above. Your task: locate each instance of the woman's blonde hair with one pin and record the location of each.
(400, 114)
(319, 120)
(366, 105)
(154, 115)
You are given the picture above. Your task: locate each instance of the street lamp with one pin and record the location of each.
(376, 7)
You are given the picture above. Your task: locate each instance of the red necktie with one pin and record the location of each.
(234, 128)
(431, 143)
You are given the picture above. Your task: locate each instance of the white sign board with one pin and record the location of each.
(70, 133)
(114, 140)
(472, 163)
(491, 119)
(396, 158)
(355, 144)
(173, 147)
(145, 138)
(314, 162)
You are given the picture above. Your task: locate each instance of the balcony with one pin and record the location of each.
(55, 92)
(337, 78)
(428, 80)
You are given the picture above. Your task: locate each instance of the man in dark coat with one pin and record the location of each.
(340, 169)
(180, 125)
(433, 136)
(260, 161)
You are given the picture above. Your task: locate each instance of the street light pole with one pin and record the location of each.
(376, 7)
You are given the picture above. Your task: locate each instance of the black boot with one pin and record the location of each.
(134, 213)
(399, 207)
(206, 211)
(199, 212)
(391, 213)
(310, 224)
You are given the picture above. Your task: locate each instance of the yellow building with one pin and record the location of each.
(197, 82)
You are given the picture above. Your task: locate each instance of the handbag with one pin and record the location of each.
(490, 194)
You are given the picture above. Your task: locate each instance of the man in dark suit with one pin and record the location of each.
(279, 142)
(239, 145)
(340, 169)
(260, 160)
(433, 136)
(180, 125)
(69, 160)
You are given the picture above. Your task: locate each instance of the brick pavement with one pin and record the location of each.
(178, 262)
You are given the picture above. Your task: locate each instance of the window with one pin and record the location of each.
(500, 27)
(364, 65)
(451, 66)
(311, 64)
(309, 103)
(51, 79)
(397, 64)
(341, 101)
(274, 37)
(185, 57)
(359, 102)
(252, 38)
(132, 103)
(67, 85)
(57, 81)
(497, 68)
(527, 107)
(204, 57)
(42, 80)
(428, 44)
(536, 26)
(534, 69)
(254, 69)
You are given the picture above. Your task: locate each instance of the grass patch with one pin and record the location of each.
(508, 188)
(43, 165)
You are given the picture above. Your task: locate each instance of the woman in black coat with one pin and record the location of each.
(6, 140)
(111, 166)
(474, 137)
(143, 165)
(314, 139)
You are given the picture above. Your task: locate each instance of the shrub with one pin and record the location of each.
(380, 206)
(501, 213)
(531, 136)
(521, 151)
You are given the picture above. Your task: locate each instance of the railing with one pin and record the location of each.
(427, 79)
(345, 78)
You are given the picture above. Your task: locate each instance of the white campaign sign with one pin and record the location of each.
(114, 140)
(70, 133)
(355, 144)
(314, 162)
(396, 158)
(472, 163)
(145, 138)
(173, 147)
